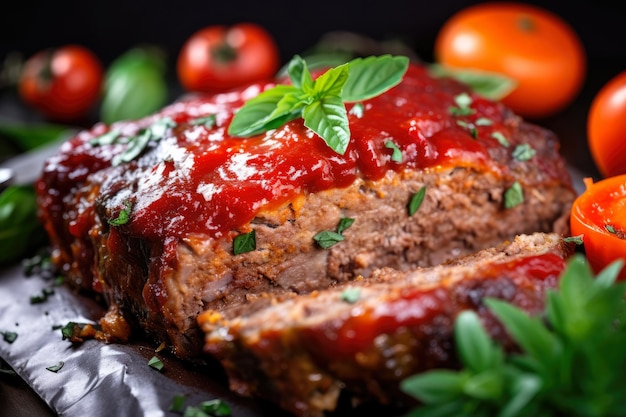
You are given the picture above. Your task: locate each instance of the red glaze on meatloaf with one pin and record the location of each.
(147, 214)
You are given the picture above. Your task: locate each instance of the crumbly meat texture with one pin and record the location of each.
(161, 281)
(303, 352)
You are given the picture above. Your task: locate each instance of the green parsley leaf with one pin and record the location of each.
(501, 139)
(155, 363)
(137, 144)
(217, 408)
(470, 127)
(610, 228)
(245, 242)
(350, 295)
(416, 200)
(41, 298)
(344, 223)
(56, 367)
(483, 121)
(124, 215)
(327, 238)
(319, 102)
(107, 138)
(490, 85)
(523, 152)
(396, 156)
(9, 337)
(513, 196)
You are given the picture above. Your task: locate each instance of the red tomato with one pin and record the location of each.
(218, 58)
(599, 214)
(526, 43)
(62, 83)
(606, 127)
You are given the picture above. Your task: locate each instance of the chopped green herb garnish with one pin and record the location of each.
(155, 363)
(469, 127)
(483, 121)
(56, 367)
(350, 295)
(523, 152)
(327, 238)
(9, 337)
(501, 139)
(124, 215)
(41, 298)
(570, 360)
(107, 138)
(513, 196)
(488, 84)
(245, 242)
(610, 228)
(71, 331)
(416, 200)
(344, 223)
(463, 102)
(396, 156)
(574, 239)
(138, 143)
(178, 404)
(206, 121)
(319, 102)
(212, 408)
(357, 110)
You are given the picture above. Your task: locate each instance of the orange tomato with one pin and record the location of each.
(531, 45)
(599, 214)
(606, 127)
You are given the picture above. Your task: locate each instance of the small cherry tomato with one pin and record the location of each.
(218, 58)
(599, 214)
(531, 45)
(62, 83)
(606, 127)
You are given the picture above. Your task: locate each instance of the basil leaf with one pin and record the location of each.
(20, 231)
(371, 76)
(206, 121)
(31, 136)
(328, 118)
(245, 242)
(123, 217)
(215, 408)
(9, 337)
(134, 85)
(490, 85)
(523, 152)
(56, 367)
(330, 83)
(299, 73)
(260, 113)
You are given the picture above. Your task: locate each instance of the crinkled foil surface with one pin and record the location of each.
(98, 379)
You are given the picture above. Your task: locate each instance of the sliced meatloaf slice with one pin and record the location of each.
(152, 213)
(365, 336)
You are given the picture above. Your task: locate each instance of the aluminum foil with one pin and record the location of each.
(98, 379)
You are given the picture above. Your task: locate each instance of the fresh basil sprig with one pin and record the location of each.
(571, 362)
(319, 102)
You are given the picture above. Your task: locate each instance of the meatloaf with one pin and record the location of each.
(362, 338)
(169, 216)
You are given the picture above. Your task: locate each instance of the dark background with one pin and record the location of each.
(111, 27)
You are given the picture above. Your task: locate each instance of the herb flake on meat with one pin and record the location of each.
(513, 196)
(462, 107)
(206, 121)
(578, 240)
(123, 217)
(155, 363)
(350, 295)
(416, 200)
(245, 242)
(327, 238)
(523, 152)
(499, 136)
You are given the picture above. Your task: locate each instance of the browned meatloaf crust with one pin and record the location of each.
(366, 336)
(171, 260)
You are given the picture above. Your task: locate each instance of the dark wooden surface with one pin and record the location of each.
(18, 399)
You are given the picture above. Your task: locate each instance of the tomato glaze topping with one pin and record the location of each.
(198, 179)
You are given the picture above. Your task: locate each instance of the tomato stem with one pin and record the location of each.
(224, 53)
